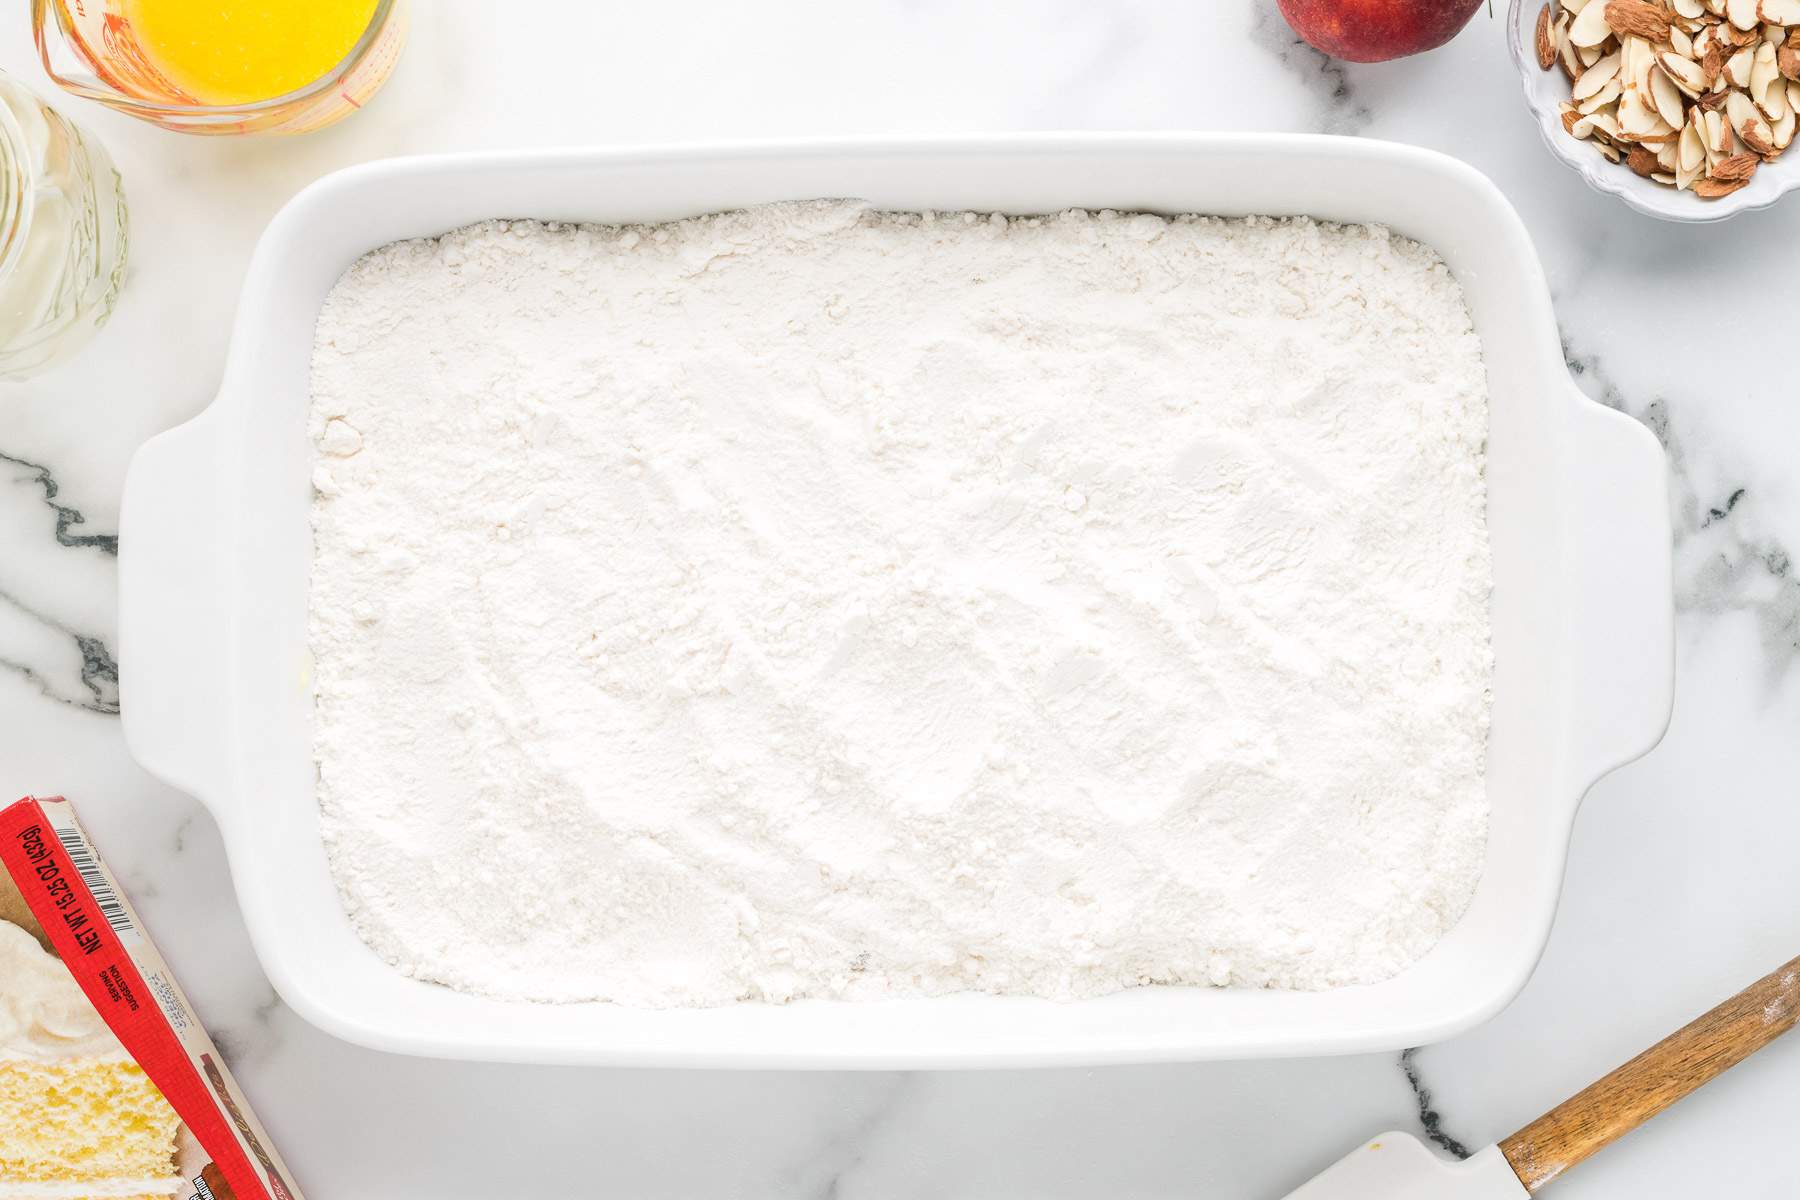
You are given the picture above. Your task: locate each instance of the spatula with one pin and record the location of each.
(1397, 1166)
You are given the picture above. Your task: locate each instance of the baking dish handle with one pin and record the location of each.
(1620, 561)
(172, 615)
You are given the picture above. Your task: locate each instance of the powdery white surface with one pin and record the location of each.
(811, 601)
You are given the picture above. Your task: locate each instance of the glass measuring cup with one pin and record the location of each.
(90, 50)
(62, 234)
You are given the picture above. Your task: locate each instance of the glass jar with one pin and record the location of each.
(62, 234)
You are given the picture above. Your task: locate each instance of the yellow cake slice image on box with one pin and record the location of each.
(79, 1120)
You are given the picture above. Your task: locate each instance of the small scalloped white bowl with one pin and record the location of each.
(1546, 90)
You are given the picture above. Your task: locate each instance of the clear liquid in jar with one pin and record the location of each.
(63, 234)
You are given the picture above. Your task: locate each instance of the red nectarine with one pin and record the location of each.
(1377, 30)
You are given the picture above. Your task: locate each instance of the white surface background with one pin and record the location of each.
(1681, 880)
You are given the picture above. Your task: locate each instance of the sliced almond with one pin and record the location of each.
(1712, 189)
(1742, 13)
(1743, 37)
(1780, 12)
(1546, 42)
(1721, 142)
(1739, 66)
(1681, 43)
(1775, 100)
(1597, 76)
(1693, 10)
(1683, 72)
(1690, 152)
(1740, 109)
(1738, 166)
(1782, 135)
(1666, 156)
(1712, 64)
(1691, 157)
(1606, 96)
(1602, 127)
(1640, 18)
(1758, 136)
(1642, 161)
(1779, 134)
(1636, 117)
(1589, 27)
(1609, 152)
(1569, 56)
(1636, 57)
(1666, 98)
(1764, 76)
(1572, 6)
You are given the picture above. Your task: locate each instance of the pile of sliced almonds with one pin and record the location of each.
(1695, 94)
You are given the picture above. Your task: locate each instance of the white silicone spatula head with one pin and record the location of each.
(1397, 1166)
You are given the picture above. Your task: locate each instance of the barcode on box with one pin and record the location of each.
(97, 885)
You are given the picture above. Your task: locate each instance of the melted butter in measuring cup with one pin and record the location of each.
(246, 51)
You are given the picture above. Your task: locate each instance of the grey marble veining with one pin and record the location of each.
(1430, 1120)
(67, 519)
(1335, 106)
(58, 662)
(1727, 561)
(37, 645)
(1679, 879)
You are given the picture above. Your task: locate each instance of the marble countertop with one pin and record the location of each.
(1680, 881)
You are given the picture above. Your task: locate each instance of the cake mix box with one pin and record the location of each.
(108, 1084)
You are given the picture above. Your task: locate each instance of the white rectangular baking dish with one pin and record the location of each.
(215, 552)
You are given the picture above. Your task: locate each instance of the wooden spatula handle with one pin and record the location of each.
(1701, 1050)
